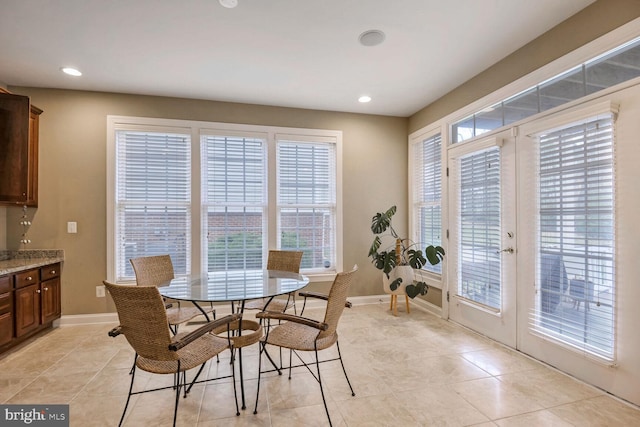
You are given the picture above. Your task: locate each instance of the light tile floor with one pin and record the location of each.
(410, 370)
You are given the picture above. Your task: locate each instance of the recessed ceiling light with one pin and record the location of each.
(364, 98)
(229, 4)
(71, 71)
(371, 38)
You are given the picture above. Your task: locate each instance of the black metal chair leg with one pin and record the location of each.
(233, 375)
(133, 367)
(261, 349)
(290, 361)
(133, 375)
(324, 400)
(175, 410)
(344, 370)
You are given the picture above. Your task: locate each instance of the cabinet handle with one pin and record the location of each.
(53, 272)
(46, 289)
(29, 278)
(37, 291)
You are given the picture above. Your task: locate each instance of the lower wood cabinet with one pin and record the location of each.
(6, 310)
(50, 305)
(29, 302)
(27, 309)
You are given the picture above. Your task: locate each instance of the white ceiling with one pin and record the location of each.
(294, 53)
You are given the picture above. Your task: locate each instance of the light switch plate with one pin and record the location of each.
(72, 227)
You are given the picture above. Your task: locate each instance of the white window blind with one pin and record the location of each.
(218, 196)
(479, 277)
(427, 209)
(576, 279)
(153, 199)
(234, 202)
(306, 174)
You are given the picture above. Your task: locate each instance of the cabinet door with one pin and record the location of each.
(32, 162)
(19, 123)
(6, 317)
(6, 309)
(50, 299)
(14, 148)
(27, 309)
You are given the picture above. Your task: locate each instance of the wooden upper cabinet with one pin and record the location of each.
(19, 124)
(32, 179)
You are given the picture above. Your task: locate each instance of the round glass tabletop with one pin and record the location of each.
(233, 285)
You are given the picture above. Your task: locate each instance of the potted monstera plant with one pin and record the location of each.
(398, 260)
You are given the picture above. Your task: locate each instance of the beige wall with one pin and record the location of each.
(73, 154)
(72, 177)
(592, 22)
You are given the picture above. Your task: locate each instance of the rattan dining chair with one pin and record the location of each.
(143, 322)
(282, 261)
(299, 333)
(156, 270)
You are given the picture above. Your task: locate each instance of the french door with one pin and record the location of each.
(482, 238)
(567, 269)
(543, 239)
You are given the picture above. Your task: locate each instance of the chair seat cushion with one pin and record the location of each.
(299, 337)
(192, 355)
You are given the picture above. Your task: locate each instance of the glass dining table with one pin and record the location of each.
(234, 287)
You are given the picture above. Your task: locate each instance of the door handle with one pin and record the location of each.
(508, 250)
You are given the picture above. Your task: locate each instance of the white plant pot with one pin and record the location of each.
(405, 272)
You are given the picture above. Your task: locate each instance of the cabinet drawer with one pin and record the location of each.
(49, 271)
(27, 278)
(5, 284)
(5, 302)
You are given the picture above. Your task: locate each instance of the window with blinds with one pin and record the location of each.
(306, 175)
(427, 194)
(479, 277)
(153, 199)
(576, 279)
(216, 196)
(234, 188)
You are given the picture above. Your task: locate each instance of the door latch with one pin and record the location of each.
(508, 250)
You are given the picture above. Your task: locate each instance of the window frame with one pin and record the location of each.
(201, 128)
(432, 278)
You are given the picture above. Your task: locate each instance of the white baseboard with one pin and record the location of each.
(99, 318)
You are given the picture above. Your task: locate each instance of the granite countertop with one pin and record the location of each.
(15, 261)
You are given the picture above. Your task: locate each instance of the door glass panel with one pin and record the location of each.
(479, 251)
(576, 239)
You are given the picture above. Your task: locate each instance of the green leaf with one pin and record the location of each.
(375, 246)
(395, 284)
(419, 288)
(435, 254)
(382, 220)
(416, 258)
(411, 291)
(385, 261)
